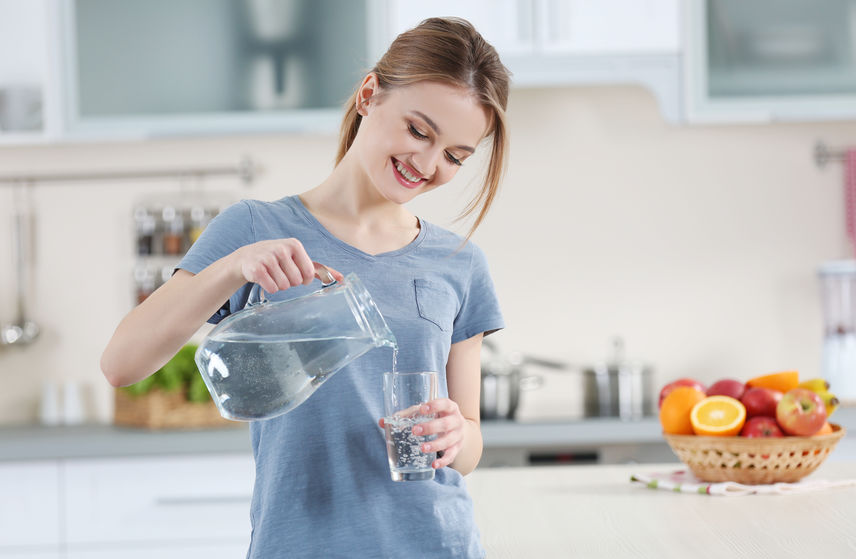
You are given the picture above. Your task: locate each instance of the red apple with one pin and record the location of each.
(801, 412)
(727, 387)
(761, 401)
(680, 382)
(760, 426)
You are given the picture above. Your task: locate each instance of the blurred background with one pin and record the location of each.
(679, 202)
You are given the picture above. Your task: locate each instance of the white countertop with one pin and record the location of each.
(595, 511)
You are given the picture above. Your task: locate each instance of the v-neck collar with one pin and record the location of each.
(307, 215)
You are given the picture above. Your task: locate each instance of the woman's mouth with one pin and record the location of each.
(405, 175)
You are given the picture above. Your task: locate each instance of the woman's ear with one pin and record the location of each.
(366, 93)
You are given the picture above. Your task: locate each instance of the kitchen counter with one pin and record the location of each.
(90, 441)
(595, 511)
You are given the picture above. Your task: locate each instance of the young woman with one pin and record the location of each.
(323, 486)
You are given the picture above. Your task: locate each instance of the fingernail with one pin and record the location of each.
(417, 430)
(426, 408)
(427, 448)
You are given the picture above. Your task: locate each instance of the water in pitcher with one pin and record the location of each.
(256, 377)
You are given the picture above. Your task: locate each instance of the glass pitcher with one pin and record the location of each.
(268, 358)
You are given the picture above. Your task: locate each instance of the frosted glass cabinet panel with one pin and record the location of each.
(169, 66)
(773, 59)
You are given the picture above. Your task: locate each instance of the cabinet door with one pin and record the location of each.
(770, 60)
(607, 27)
(506, 24)
(210, 66)
(191, 500)
(29, 506)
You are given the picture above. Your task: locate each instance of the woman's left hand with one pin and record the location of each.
(449, 428)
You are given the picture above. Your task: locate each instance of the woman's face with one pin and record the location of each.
(413, 139)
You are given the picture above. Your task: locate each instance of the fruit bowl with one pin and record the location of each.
(754, 460)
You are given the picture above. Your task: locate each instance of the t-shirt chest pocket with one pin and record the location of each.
(436, 303)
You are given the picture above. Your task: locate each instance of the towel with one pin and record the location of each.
(683, 481)
(850, 197)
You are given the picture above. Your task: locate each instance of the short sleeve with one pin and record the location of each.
(479, 312)
(229, 231)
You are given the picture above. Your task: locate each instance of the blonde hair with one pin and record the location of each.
(450, 51)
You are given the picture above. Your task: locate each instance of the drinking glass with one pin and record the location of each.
(404, 394)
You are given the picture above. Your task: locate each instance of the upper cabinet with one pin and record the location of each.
(28, 71)
(161, 67)
(572, 42)
(770, 60)
(114, 69)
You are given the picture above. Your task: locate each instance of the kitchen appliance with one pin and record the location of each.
(503, 378)
(838, 292)
(618, 388)
(268, 358)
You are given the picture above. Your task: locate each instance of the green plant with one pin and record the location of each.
(178, 373)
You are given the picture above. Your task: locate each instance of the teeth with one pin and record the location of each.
(403, 170)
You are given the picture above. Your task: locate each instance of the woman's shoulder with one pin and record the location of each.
(446, 240)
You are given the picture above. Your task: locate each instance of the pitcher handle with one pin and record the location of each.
(258, 296)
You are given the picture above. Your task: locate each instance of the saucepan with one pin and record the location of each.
(503, 377)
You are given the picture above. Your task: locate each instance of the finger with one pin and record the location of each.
(436, 426)
(261, 276)
(443, 443)
(275, 272)
(292, 272)
(304, 264)
(319, 273)
(440, 405)
(448, 457)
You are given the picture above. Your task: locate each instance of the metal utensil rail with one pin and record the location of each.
(246, 170)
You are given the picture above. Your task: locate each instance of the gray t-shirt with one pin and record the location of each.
(323, 487)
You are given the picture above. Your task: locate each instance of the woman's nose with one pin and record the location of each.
(427, 161)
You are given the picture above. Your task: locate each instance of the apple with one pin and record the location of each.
(727, 387)
(801, 412)
(761, 401)
(760, 426)
(680, 382)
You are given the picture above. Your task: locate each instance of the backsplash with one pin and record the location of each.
(698, 245)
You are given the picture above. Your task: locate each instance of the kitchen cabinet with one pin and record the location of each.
(127, 507)
(29, 101)
(186, 501)
(30, 518)
(770, 60)
(572, 42)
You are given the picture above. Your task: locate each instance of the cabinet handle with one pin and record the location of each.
(213, 500)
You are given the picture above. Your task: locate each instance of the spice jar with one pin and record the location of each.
(173, 231)
(145, 227)
(144, 278)
(199, 219)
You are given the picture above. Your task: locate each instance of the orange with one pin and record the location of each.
(676, 408)
(825, 430)
(782, 382)
(718, 416)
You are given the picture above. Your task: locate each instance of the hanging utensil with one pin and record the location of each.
(23, 331)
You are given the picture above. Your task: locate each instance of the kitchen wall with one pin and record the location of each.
(698, 245)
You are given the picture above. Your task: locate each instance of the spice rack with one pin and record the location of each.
(163, 232)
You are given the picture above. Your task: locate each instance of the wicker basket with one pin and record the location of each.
(754, 461)
(166, 410)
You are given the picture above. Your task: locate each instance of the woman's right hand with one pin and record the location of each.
(277, 264)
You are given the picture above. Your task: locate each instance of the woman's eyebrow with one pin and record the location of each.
(436, 129)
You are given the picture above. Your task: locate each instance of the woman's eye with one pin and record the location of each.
(453, 160)
(416, 133)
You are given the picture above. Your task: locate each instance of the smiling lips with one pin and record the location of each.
(405, 175)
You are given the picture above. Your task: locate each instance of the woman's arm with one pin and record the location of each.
(157, 328)
(458, 426)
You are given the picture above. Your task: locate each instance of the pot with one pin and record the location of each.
(618, 388)
(503, 378)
